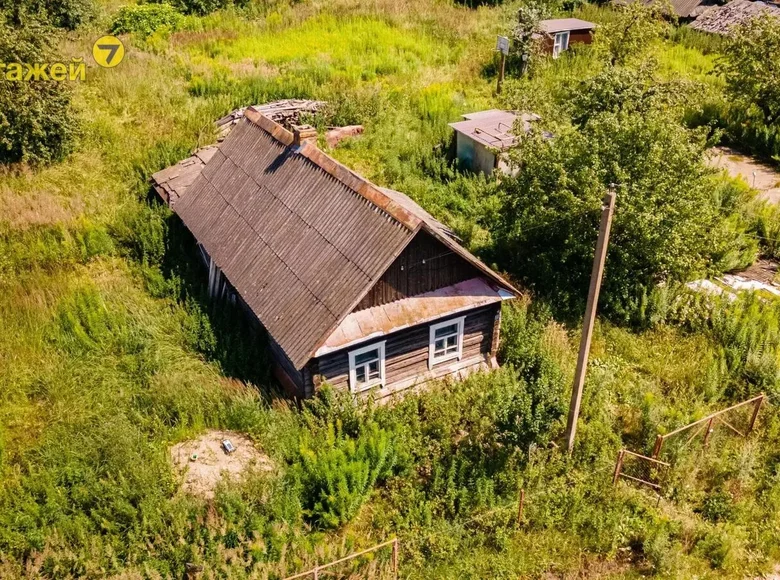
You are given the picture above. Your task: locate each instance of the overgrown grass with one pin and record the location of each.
(110, 353)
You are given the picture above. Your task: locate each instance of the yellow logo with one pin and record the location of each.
(108, 51)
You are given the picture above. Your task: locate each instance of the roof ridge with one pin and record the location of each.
(357, 183)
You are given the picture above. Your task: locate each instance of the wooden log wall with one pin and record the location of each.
(406, 351)
(425, 265)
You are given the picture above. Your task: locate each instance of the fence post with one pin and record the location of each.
(659, 441)
(520, 507)
(755, 413)
(316, 573)
(618, 466)
(709, 430)
(395, 559)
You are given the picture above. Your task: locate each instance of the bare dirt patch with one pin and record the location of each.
(203, 462)
(761, 176)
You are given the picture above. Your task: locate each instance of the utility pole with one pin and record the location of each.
(607, 209)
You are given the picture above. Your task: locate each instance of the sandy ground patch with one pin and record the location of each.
(761, 176)
(202, 461)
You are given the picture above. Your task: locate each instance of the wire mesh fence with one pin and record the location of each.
(640, 469)
(738, 420)
(653, 471)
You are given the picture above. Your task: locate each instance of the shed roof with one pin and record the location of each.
(494, 128)
(298, 235)
(563, 24)
(720, 19)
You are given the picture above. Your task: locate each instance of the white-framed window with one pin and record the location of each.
(561, 43)
(367, 367)
(446, 341)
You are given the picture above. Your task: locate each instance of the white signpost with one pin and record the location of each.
(502, 45)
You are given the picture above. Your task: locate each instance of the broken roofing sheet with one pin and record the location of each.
(172, 182)
(721, 19)
(494, 128)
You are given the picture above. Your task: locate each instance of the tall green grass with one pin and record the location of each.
(110, 351)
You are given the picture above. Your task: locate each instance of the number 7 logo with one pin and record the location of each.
(108, 51)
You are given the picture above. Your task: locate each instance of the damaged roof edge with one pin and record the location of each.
(355, 182)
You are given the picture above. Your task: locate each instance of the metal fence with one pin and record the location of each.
(737, 420)
(640, 469)
(319, 572)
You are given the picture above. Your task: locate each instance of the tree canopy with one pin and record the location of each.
(751, 70)
(37, 123)
(669, 222)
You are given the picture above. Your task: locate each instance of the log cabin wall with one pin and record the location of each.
(406, 353)
(426, 264)
(285, 372)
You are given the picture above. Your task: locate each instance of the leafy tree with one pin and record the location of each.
(751, 70)
(36, 119)
(667, 224)
(632, 33)
(635, 90)
(526, 25)
(68, 14)
(752, 75)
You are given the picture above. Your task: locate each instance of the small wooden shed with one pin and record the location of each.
(560, 33)
(481, 138)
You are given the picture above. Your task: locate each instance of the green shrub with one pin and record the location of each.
(203, 7)
(37, 123)
(145, 19)
(338, 472)
(766, 225)
(68, 14)
(717, 507)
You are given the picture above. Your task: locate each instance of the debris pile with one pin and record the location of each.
(720, 19)
(287, 113)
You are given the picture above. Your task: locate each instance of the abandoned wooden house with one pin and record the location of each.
(355, 284)
(559, 34)
(482, 138)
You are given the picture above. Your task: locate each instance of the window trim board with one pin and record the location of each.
(432, 359)
(353, 354)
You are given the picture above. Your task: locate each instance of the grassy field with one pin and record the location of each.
(110, 353)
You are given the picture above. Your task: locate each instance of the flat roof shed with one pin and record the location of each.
(493, 128)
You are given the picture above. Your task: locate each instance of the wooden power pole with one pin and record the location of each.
(590, 316)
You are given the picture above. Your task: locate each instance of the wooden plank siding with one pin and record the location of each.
(575, 37)
(425, 265)
(291, 379)
(406, 353)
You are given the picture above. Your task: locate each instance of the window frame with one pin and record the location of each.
(558, 48)
(353, 354)
(433, 360)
